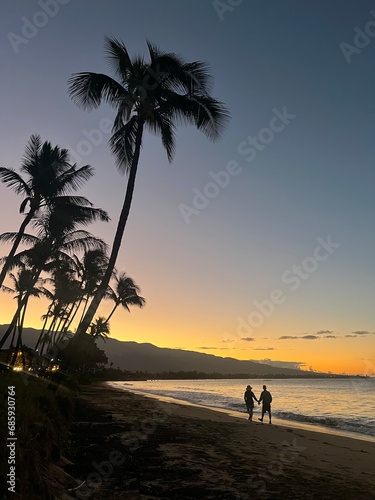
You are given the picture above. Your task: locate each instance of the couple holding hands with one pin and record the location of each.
(264, 398)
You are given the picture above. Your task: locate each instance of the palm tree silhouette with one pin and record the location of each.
(125, 294)
(57, 238)
(66, 291)
(48, 178)
(91, 270)
(156, 95)
(100, 328)
(24, 287)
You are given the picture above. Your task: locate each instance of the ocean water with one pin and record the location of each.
(340, 406)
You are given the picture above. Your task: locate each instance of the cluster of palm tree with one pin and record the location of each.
(154, 95)
(57, 259)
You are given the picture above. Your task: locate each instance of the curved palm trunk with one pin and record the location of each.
(43, 327)
(63, 326)
(9, 331)
(73, 315)
(22, 302)
(19, 339)
(11, 345)
(84, 307)
(20, 321)
(16, 243)
(59, 326)
(111, 313)
(85, 323)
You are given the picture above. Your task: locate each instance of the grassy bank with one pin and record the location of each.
(43, 412)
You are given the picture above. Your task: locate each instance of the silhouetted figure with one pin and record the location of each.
(249, 397)
(266, 399)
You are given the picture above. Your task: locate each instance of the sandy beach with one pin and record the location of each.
(128, 446)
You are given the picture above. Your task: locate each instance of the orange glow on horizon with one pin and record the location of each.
(162, 329)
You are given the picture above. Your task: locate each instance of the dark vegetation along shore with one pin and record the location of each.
(96, 442)
(44, 412)
(115, 374)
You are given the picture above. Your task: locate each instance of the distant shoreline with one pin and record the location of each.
(130, 376)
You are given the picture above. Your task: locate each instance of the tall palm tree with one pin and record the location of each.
(125, 294)
(156, 95)
(47, 178)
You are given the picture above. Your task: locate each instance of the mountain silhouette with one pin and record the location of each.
(134, 356)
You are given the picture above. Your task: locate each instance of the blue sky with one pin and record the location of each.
(312, 179)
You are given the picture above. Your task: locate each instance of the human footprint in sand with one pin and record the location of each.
(266, 399)
(249, 397)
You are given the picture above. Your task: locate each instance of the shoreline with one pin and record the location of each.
(171, 450)
(238, 414)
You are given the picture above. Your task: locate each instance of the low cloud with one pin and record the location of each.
(297, 365)
(248, 339)
(311, 336)
(263, 349)
(293, 337)
(208, 348)
(358, 333)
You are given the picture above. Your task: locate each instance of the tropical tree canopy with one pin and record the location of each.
(46, 179)
(158, 94)
(57, 237)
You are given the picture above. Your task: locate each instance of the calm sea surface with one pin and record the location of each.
(334, 405)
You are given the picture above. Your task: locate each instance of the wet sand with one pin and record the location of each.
(128, 446)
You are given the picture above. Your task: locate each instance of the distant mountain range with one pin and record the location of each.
(132, 356)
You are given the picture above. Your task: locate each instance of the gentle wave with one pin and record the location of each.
(361, 426)
(341, 424)
(322, 403)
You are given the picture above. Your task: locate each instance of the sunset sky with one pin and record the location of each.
(260, 246)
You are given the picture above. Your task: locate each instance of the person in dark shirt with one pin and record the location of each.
(249, 397)
(266, 399)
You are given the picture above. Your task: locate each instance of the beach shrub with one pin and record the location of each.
(43, 416)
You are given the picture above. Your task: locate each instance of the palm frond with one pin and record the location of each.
(32, 150)
(159, 124)
(124, 111)
(13, 180)
(206, 113)
(122, 144)
(88, 90)
(72, 179)
(118, 56)
(172, 71)
(24, 203)
(27, 239)
(70, 200)
(83, 243)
